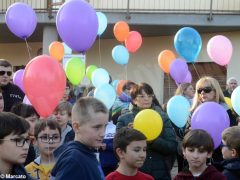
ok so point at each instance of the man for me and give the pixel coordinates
(231, 85)
(11, 93)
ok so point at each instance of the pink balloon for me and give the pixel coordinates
(18, 79)
(219, 49)
(134, 41)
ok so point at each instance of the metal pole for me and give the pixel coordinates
(128, 16)
(210, 17)
(49, 8)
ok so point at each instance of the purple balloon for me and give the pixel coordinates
(178, 70)
(21, 19)
(26, 100)
(18, 79)
(77, 25)
(188, 78)
(213, 118)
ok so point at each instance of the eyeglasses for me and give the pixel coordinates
(205, 90)
(223, 145)
(143, 96)
(20, 142)
(9, 73)
(54, 139)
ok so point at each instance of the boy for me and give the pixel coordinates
(130, 147)
(48, 137)
(62, 115)
(14, 144)
(78, 161)
(197, 147)
(231, 152)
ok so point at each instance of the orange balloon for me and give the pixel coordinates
(120, 86)
(56, 50)
(165, 59)
(121, 31)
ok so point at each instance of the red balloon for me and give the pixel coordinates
(134, 41)
(44, 82)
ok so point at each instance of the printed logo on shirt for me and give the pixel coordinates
(15, 96)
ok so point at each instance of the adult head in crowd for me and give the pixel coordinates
(232, 83)
(11, 93)
(164, 145)
(186, 90)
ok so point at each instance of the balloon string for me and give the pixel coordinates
(126, 73)
(99, 51)
(28, 49)
(196, 70)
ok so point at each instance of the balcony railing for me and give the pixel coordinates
(138, 6)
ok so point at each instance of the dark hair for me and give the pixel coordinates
(198, 138)
(128, 85)
(5, 63)
(125, 136)
(12, 124)
(42, 124)
(231, 136)
(23, 110)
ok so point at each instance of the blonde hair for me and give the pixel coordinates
(64, 106)
(181, 88)
(85, 108)
(219, 97)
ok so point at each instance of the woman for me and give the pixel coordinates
(164, 145)
(186, 90)
(209, 90)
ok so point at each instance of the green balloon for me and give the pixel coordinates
(90, 70)
(75, 70)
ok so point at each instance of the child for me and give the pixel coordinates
(197, 147)
(130, 147)
(14, 144)
(62, 115)
(231, 152)
(78, 161)
(48, 137)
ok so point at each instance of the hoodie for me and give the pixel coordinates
(77, 161)
(210, 173)
(231, 168)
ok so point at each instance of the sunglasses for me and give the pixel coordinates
(9, 73)
(205, 90)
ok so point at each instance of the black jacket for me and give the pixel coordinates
(231, 168)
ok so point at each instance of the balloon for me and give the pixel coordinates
(235, 99)
(90, 70)
(121, 31)
(102, 23)
(149, 122)
(75, 70)
(188, 43)
(178, 110)
(134, 41)
(56, 50)
(120, 86)
(106, 94)
(100, 76)
(213, 118)
(18, 78)
(178, 70)
(228, 101)
(120, 54)
(44, 82)
(26, 100)
(165, 59)
(115, 83)
(77, 25)
(219, 49)
(188, 78)
(21, 19)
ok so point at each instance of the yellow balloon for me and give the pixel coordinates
(228, 101)
(149, 122)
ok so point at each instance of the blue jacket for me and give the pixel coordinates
(231, 168)
(77, 162)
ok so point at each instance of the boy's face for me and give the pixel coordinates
(48, 140)
(32, 121)
(91, 133)
(227, 152)
(62, 118)
(135, 154)
(10, 150)
(196, 157)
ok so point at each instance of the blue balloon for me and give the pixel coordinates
(115, 83)
(235, 99)
(106, 94)
(188, 43)
(100, 76)
(178, 110)
(120, 54)
(102, 23)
